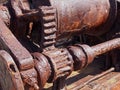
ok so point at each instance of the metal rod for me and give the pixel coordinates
(106, 46)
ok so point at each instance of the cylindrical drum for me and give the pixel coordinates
(93, 17)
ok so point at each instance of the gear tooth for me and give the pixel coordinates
(49, 26)
(49, 18)
(50, 37)
(50, 31)
(48, 43)
(61, 61)
(47, 10)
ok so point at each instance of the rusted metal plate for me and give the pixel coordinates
(10, 78)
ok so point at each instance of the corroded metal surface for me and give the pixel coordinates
(5, 16)
(43, 67)
(49, 27)
(107, 46)
(30, 77)
(94, 18)
(21, 56)
(10, 78)
(79, 57)
(79, 15)
(62, 65)
(42, 23)
(84, 55)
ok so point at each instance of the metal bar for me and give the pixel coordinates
(106, 46)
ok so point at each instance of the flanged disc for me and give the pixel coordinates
(10, 78)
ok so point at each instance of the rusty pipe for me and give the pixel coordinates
(106, 46)
(84, 54)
